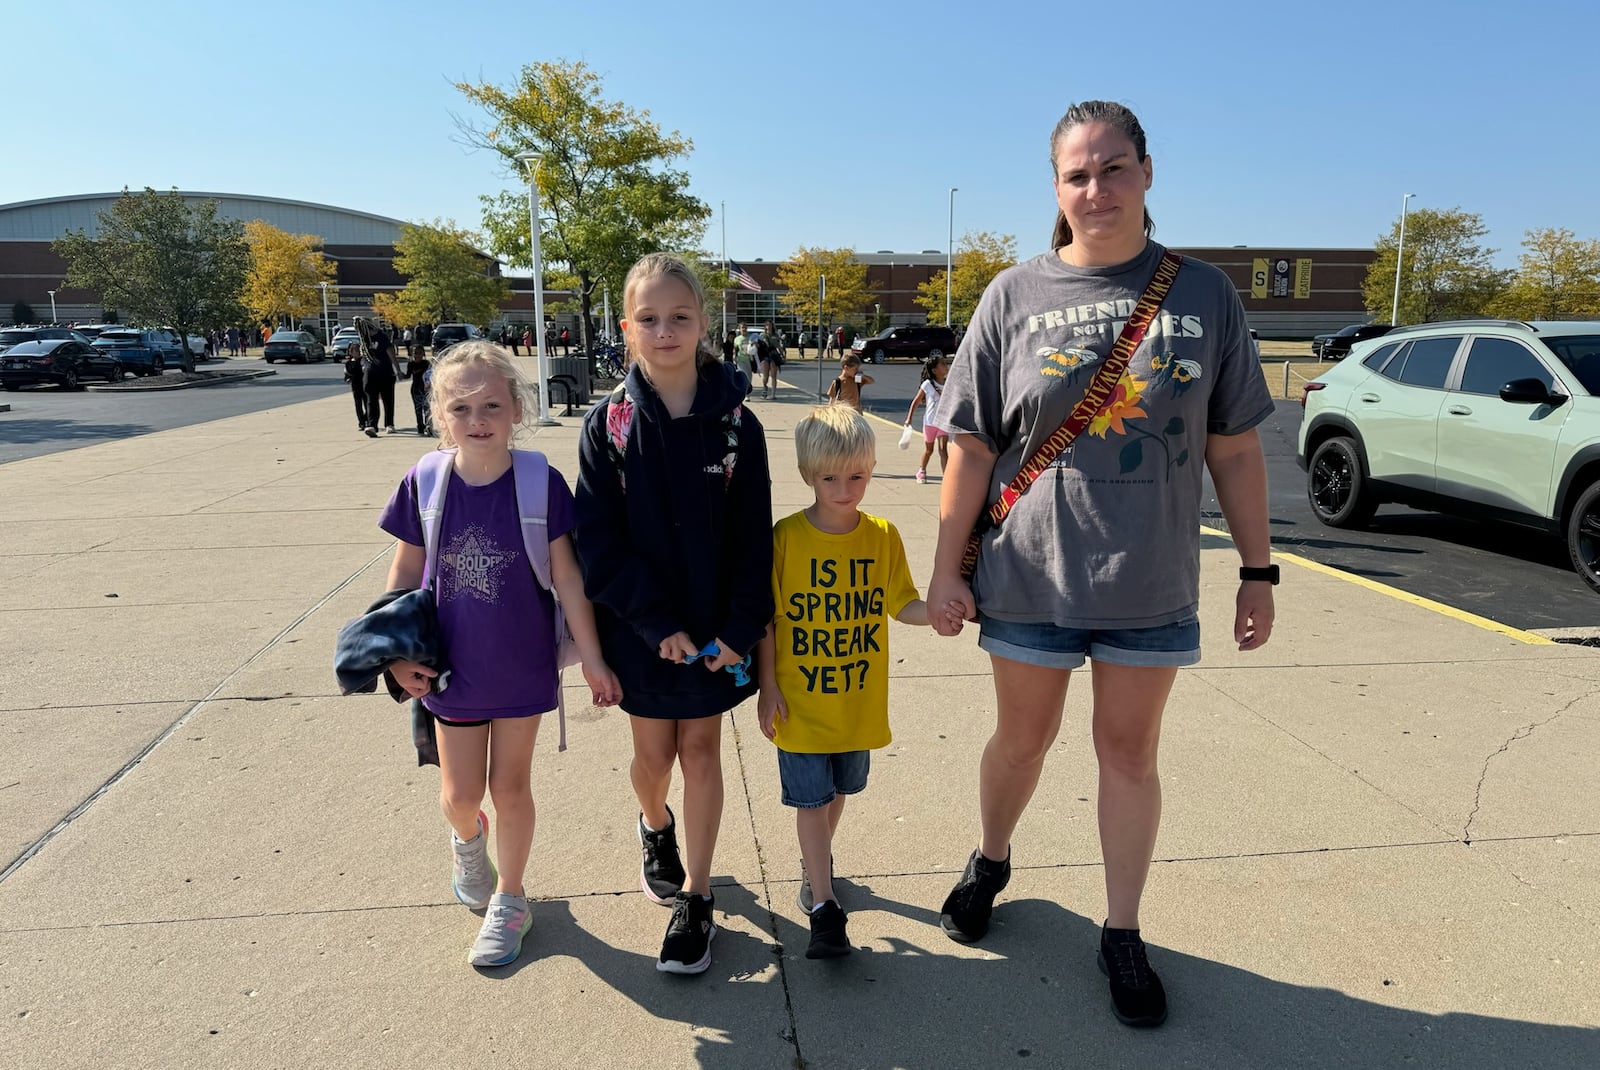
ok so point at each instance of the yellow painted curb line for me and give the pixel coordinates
(1404, 596)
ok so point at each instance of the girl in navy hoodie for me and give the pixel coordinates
(674, 534)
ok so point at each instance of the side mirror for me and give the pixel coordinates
(1530, 392)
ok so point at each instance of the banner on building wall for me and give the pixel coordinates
(1302, 279)
(1271, 277)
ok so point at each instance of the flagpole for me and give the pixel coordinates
(724, 213)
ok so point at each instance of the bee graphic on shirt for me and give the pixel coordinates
(1170, 368)
(1065, 362)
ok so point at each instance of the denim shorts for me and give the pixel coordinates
(1054, 647)
(812, 780)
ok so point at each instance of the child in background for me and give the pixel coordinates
(498, 631)
(418, 372)
(675, 537)
(838, 575)
(846, 386)
(934, 370)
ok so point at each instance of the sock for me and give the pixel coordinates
(647, 827)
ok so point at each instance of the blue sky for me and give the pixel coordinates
(822, 123)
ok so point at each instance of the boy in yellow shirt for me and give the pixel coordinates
(838, 575)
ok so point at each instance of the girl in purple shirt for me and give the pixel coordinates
(497, 626)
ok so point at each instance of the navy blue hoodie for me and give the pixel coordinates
(683, 548)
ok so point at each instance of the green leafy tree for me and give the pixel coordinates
(980, 257)
(1557, 278)
(848, 291)
(1446, 274)
(286, 271)
(607, 194)
(447, 279)
(162, 261)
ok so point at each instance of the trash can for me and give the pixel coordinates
(569, 382)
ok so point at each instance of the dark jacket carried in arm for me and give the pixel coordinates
(673, 542)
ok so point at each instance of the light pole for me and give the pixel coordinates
(1399, 258)
(949, 245)
(327, 337)
(52, 294)
(822, 297)
(877, 317)
(531, 158)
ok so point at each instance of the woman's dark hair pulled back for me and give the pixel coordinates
(1119, 118)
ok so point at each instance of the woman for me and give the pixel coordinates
(1099, 558)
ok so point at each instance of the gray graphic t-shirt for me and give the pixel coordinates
(1109, 536)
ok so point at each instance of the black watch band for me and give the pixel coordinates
(1269, 574)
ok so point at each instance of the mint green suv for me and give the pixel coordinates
(1495, 419)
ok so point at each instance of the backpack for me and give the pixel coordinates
(619, 428)
(532, 475)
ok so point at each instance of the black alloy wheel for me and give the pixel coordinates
(116, 372)
(1336, 485)
(1583, 536)
(69, 381)
(877, 356)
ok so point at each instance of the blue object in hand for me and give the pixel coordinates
(740, 669)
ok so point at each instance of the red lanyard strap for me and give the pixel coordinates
(1100, 391)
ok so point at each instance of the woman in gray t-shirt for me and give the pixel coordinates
(1099, 559)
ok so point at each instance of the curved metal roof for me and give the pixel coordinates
(49, 218)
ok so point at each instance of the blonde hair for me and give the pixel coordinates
(656, 265)
(832, 438)
(474, 353)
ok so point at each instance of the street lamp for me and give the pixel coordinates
(327, 337)
(531, 158)
(877, 317)
(52, 294)
(949, 244)
(1399, 258)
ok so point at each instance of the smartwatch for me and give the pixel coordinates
(1269, 574)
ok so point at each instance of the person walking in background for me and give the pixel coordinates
(527, 340)
(825, 735)
(674, 532)
(356, 377)
(847, 385)
(418, 372)
(566, 342)
(1101, 559)
(497, 622)
(233, 341)
(928, 393)
(379, 372)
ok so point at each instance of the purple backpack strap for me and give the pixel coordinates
(433, 480)
(532, 474)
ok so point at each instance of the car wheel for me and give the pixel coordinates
(158, 366)
(1583, 536)
(1336, 485)
(69, 381)
(877, 356)
(116, 374)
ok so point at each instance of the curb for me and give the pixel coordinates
(221, 377)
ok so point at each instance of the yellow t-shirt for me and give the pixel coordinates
(835, 596)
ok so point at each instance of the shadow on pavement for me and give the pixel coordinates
(29, 430)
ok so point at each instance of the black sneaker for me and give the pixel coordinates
(1137, 997)
(828, 939)
(661, 872)
(965, 914)
(687, 948)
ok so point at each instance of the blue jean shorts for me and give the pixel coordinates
(1054, 647)
(812, 780)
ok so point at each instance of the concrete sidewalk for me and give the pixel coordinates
(1381, 844)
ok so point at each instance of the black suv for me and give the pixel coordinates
(918, 343)
(448, 334)
(1336, 346)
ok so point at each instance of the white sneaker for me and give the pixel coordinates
(505, 923)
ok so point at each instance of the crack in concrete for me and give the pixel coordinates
(793, 1036)
(133, 763)
(1522, 733)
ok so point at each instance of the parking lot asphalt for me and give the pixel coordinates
(1381, 840)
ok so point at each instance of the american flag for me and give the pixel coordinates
(743, 277)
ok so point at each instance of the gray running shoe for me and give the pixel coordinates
(474, 877)
(505, 923)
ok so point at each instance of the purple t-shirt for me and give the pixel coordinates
(498, 624)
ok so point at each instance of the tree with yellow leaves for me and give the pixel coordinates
(979, 258)
(285, 274)
(848, 290)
